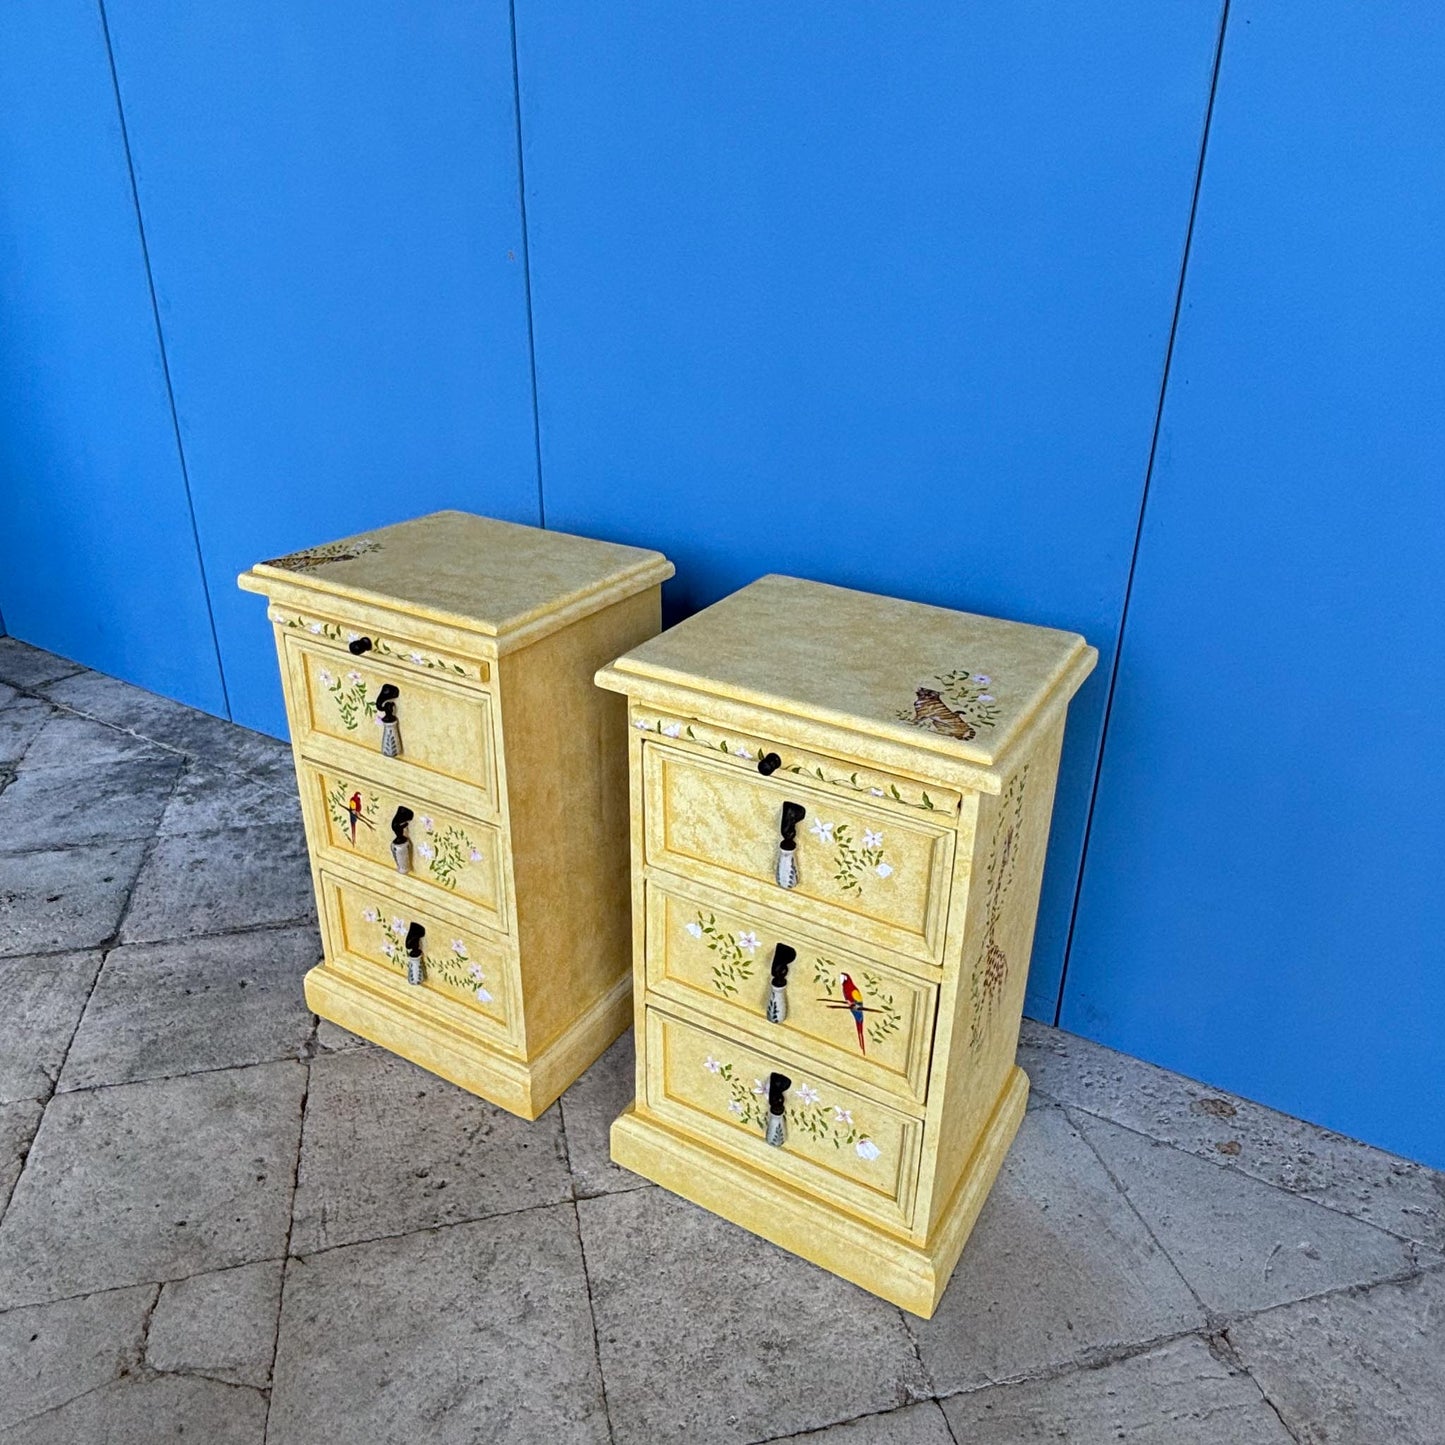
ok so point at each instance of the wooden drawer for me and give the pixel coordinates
(466, 974)
(840, 1146)
(861, 869)
(445, 726)
(710, 952)
(458, 856)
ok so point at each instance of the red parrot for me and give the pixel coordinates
(853, 997)
(353, 811)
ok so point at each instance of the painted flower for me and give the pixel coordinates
(475, 855)
(884, 870)
(641, 724)
(397, 925)
(759, 1087)
(672, 730)
(353, 637)
(748, 941)
(823, 830)
(326, 678)
(369, 914)
(695, 929)
(483, 996)
(877, 792)
(741, 752)
(734, 1107)
(427, 823)
(474, 972)
(872, 838)
(982, 679)
(985, 697)
(416, 657)
(711, 1064)
(842, 1116)
(459, 948)
(314, 627)
(389, 948)
(867, 1149)
(807, 1093)
(353, 676)
(426, 850)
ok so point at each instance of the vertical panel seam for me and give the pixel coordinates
(526, 262)
(1143, 508)
(165, 360)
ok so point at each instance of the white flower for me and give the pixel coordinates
(353, 637)
(735, 1108)
(459, 948)
(314, 627)
(475, 855)
(823, 830)
(426, 850)
(641, 724)
(326, 678)
(389, 948)
(397, 925)
(416, 657)
(426, 822)
(695, 929)
(842, 1116)
(872, 839)
(353, 676)
(369, 914)
(867, 1149)
(807, 1093)
(748, 941)
(672, 730)
(883, 870)
(985, 697)
(982, 679)
(877, 792)
(759, 1087)
(711, 1064)
(483, 996)
(741, 752)
(474, 971)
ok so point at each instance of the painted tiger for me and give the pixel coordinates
(930, 711)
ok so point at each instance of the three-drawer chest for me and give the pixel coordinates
(464, 790)
(840, 806)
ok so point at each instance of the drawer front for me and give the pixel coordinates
(456, 855)
(442, 729)
(859, 869)
(325, 632)
(839, 1146)
(466, 975)
(858, 1017)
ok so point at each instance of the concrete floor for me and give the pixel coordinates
(228, 1224)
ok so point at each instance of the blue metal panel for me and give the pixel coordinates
(100, 559)
(1262, 905)
(877, 295)
(330, 194)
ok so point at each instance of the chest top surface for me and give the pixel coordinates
(489, 577)
(951, 682)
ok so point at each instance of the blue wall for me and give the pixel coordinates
(881, 295)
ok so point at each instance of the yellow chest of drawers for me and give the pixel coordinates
(840, 805)
(464, 789)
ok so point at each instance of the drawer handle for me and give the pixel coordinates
(414, 936)
(783, 955)
(769, 764)
(386, 701)
(787, 873)
(776, 1132)
(358, 645)
(400, 842)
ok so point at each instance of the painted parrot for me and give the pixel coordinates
(353, 811)
(853, 997)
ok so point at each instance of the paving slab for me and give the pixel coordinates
(332, 1038)
(62, 899)
(26, 666)
(921, 1424)
(51, 1353)
(389, 1149)
(476, 1332)
(222, 1325)
(588, 1109)
(146, 1410)
(18, 1123)
(220, 882)
(1243, 1245)
(210, 800)
(154, 1181)
(1178, 1394)
(1059, 1270)
(21, 719)
(1365, 1367)
(203, 1003)
(707, 1332)
(68, 741)
(1404, 1197)
(44, 998)
(58, 807)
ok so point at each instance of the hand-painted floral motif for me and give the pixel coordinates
(350, 694)
(854, 857)
(334, 632)
(959, 704)
(446, 852)
(990, 973)
(805, 1111)
(734, 952)
(351, 808)
(856, 782)
(313, 557)
(453, 965)
(886, 1019)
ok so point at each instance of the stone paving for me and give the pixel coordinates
(226, 1222)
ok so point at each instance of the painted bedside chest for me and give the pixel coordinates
(464, 788)
(840, 805)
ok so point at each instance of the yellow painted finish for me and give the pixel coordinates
(924, 745)
(514, 768)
